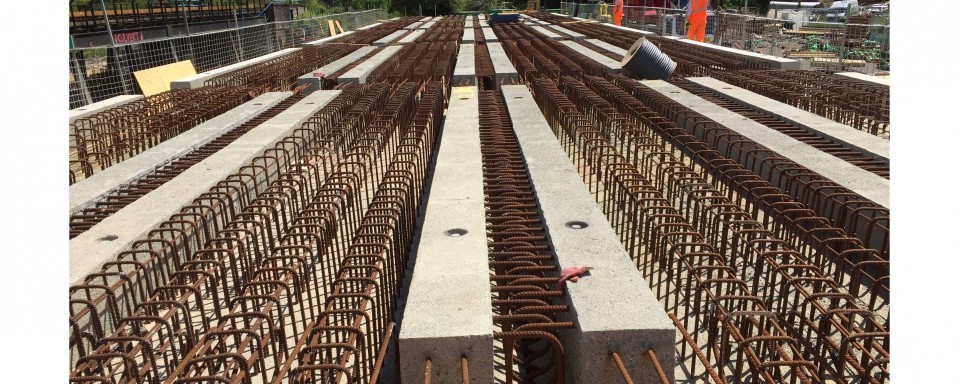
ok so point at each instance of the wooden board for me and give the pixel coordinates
(333, 29)
(338, 25)
(157, 79)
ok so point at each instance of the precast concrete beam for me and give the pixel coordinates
(116, 233)
(315, 78)
(368, 27)
(504, 69)
(391, 37)
(468, 36)
(489, 35)
(775, 62)
(414, 25)
(196, 81)
(875, 80)
(546, 32)
(858, 180)
(359, 73)
(429, 24)
(448, 312)
(876, 147)
(465, 73)
(608, 47)
(573, 35)
(412, 36)
(334, 38)
(426, 19)
(87, 192)
(611, 64)
(100, 106)
(612, 308)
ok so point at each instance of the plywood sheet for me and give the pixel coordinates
(157, 79)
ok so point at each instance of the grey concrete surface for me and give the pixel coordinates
(871, 145)
(505, 72)
(90, 190)
(489, 35)
(448, 310)
(391, 37)
(359, 73)
(368, 27)
(611, 64)
(464, 73)
(334, 38)
(196, 81)
(100, 106)
(414, 25)
(468, 36)
(412, 36)
(429, 24)
(104, 241)
(607, 46)
(775, 62)
(547, 32)
(315, 78)
(573, 35)
(852, 177)
(864, 77)
(612, 308)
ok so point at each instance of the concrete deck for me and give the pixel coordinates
(489, 35)
(104, 241)
(92, 189)
(314, 78)
(867, 78)
(465, 73)
(852, 177)
(612, 307)
(546, 32)
(505, 72)
(448, 311)
(196, 81)
(412, 36)
(608, 47)
(611, 64)
(873, 146)
(359, 73)
(391, 37)
(100, 106)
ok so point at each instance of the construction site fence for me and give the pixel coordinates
(819, 45)
(99, 73)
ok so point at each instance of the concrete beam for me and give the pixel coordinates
(412, 36)
(573, 35)
(852, 177)
(612, 307)
(315, 78)
(359, 73)
(468, 36)
(414, 25)
(546, 32)
(448, 311)
(100, 106)
(426, 19)
(196, 81)
(876, 80)
(465, 73)
(391, 37)
(505, 72)
(368, 27)
(489, 35)
(611, 64)
(334, 38)
(88, 191)
(429, 24)
(775, 62)
(873, 146)
(115, 234)
(608, 47)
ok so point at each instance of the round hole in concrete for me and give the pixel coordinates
(109, 238)
(577, 225)
(257, 103)
(674, 91)
(310, 103)
(518, 97)
(726, 88)
(456, 232)
(464, 98)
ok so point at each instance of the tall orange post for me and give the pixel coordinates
(617, 11)
(697, 19)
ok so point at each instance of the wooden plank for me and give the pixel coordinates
(157, 79)
(333, 29)
(338, 25)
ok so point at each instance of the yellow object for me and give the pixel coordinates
(157, 79)
(338, 25)
(333, 29)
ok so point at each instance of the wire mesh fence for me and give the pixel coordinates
(103, 72)
(858, 43)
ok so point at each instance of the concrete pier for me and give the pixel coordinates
(104, 241)
(611, 64)
(852, 177)
(465, 72)
(873, 146)
(612, 307)
(315, 78)
(92, 189)
(448, 312)
(504, 69)
(359, 73)
(196, 81)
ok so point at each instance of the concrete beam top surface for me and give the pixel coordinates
(465, 72)
(115, 234)
(546, 32)
(627, 29)
(334, 38)
(449, 312)
(775, 62)
(573, 17)
(429, 24)
(573, 35)
(359, 73)
(482, 16)
(315, 77)
(870, 145)
(612, 308)
(88, 191)
(100, 106)
(414, 25)
(468, 36)
(608, 47)
(391, 37)
(504, 69)
(412, 36)
(196, 81)
(852, 177)
(876, 80)
(368, 27)
(489, 35)
(611, 64)
(426, 19)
